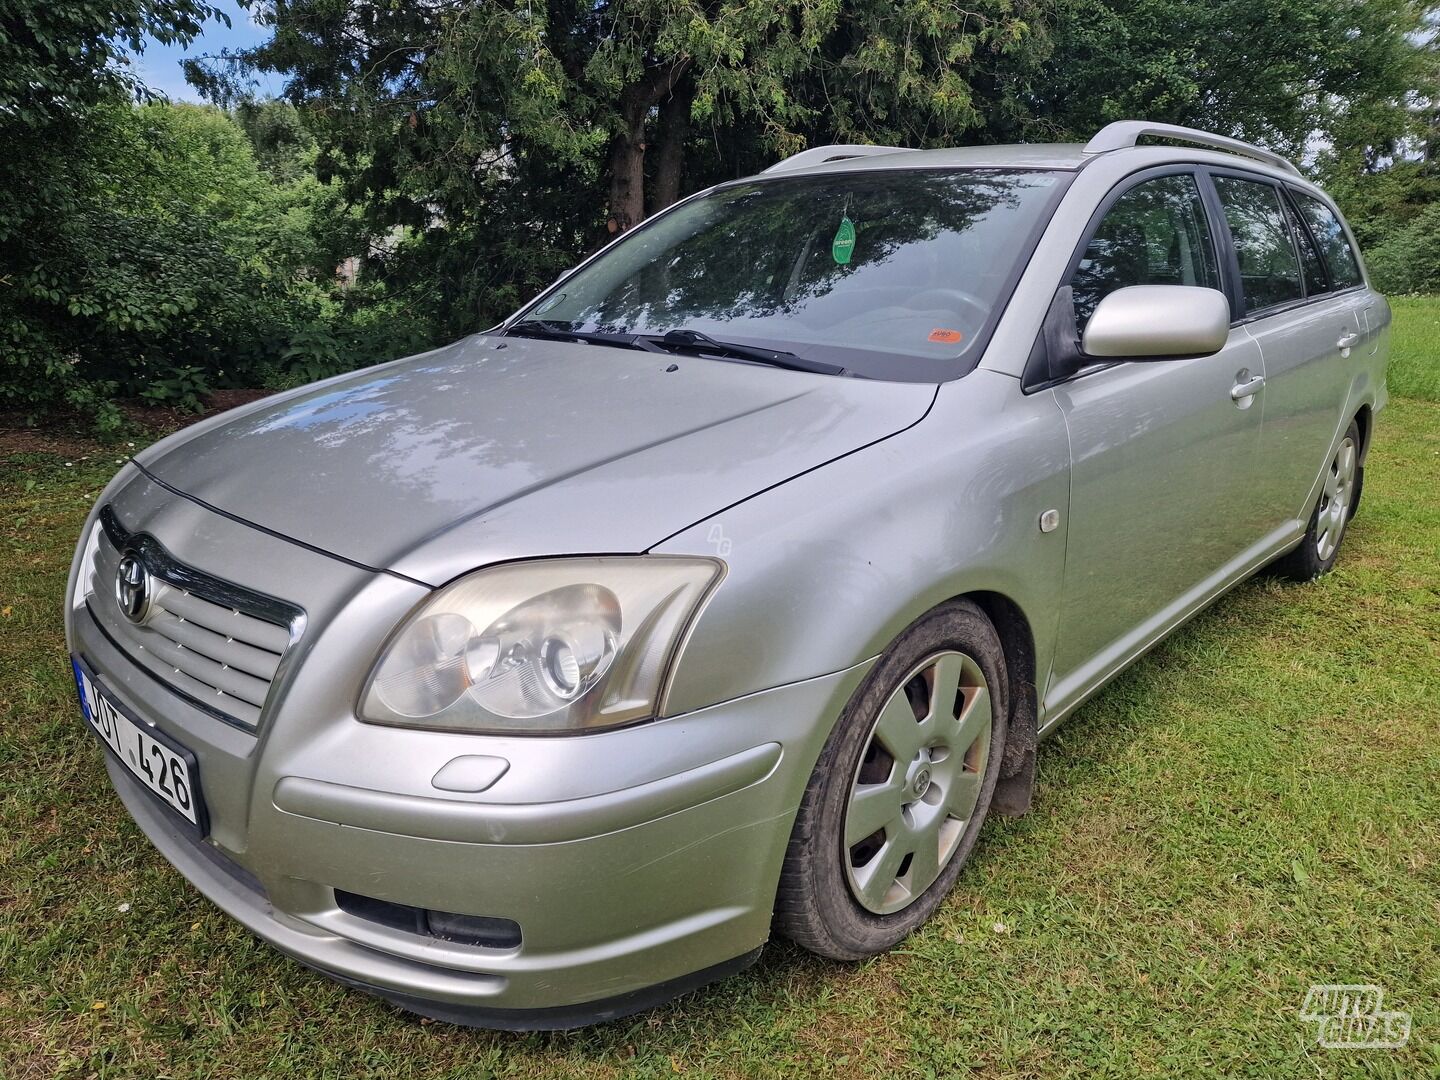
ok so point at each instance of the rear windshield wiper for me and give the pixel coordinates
(539, 328)
(695, 341)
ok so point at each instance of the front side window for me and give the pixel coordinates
(1269, 267)
(1339, 256)
(1154, 234)
(890, 274)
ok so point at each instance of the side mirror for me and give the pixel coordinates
(1158, 322)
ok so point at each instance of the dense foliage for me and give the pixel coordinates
(437, 162)
(59, 56)
(506, 138)
(1408, 258)
(156, 250)
(1282, 73)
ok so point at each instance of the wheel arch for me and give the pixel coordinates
(806, 908)
(1014, 792)
(1364, 419)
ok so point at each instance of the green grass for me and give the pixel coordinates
(1253, 808)
(1415, 347)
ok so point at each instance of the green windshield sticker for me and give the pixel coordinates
(843, 246)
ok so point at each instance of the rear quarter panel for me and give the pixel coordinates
(1378, 317)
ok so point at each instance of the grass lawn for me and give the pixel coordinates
(1253, 808)
(1415, 347)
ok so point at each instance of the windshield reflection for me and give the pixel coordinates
(906, 266)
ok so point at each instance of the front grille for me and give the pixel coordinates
(214, 643)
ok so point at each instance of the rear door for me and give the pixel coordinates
(1306, 325)
(1342, 265)
(1164, 457)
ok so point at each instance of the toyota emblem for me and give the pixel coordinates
(132, 587)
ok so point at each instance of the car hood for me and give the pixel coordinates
(501, 448)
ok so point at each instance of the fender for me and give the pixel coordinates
(828, 568)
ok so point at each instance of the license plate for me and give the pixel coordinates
(155, 759)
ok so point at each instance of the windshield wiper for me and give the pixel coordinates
(539, 328)
(673, 340)
(695, 341)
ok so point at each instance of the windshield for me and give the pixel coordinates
(891, 274)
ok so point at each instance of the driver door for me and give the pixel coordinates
(1164, 458)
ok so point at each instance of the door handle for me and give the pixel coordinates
(1249, 388)
(1347, 339)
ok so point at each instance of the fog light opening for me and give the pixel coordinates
(483, 931)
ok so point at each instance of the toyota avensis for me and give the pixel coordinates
(730, 584)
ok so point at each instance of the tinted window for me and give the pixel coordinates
(1154, 234)
(895, 275)
(1269, 268)
(1310, 265)
(1344, 268)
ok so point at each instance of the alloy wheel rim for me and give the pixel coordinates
(1335, 500)
(918, 782)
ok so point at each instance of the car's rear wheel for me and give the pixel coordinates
(1339, 494)
(901, 789)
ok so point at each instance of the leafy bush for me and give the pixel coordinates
(169, 263)
(1409, 260)
(183, 386)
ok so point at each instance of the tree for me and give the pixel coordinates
(283, 145)
(503, 138)
(60, 61)
(58, 57)
(466, 151)
(175, 263)
(1285, 73)
(63, 73)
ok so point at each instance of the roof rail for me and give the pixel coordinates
(1124, 133)
(821, 155)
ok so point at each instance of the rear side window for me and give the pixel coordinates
(1154, 234)
(1269, 267)
(1344, 267)
(1310, 265)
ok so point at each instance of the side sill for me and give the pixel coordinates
(1190, 605)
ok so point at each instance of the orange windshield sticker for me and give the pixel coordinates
(947, 337)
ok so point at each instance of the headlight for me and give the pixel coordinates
(86, 567)
(556, 645)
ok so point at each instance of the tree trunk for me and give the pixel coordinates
(674, 130)
(627, 151)
(627, 171)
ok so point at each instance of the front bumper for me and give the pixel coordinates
(623, 898)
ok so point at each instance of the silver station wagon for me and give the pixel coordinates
(726, 588)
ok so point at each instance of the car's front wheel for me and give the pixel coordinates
(901, 789)
(1339, 495)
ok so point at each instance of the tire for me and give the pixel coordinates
(1339, 498)
(826, 902)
